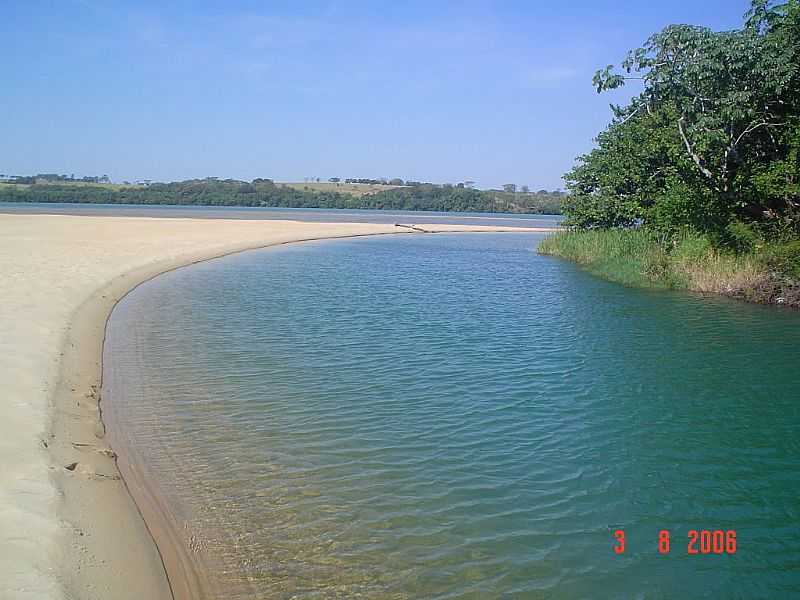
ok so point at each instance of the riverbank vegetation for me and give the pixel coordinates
(696, 182)
(689, 261)
(266, 193)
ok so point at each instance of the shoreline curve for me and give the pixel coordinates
(111, 487)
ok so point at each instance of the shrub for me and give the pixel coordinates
(784, 259)
(741, 237)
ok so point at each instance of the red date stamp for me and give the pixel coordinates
(699, 541)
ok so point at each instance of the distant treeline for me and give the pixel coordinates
(266, 193)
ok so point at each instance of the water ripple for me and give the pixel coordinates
(456, 417)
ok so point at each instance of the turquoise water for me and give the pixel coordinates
(454, 416)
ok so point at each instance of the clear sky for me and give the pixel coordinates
(494, 92)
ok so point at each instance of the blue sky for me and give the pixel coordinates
(493, 92)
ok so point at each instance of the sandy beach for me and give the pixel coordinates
(69, 526)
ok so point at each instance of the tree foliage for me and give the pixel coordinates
(713, 137)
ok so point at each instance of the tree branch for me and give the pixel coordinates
(625, 120)
(752, 128)
(697, 160)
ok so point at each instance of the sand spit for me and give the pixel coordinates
(68, 525)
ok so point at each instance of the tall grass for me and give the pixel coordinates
(640, 258)
(630, 256)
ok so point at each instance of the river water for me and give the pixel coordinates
(454, 416)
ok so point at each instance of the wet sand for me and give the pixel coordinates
(69, 527)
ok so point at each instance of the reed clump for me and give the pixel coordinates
(638, 257)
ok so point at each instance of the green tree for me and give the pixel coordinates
(712, 137)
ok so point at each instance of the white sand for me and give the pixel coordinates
(77, 534)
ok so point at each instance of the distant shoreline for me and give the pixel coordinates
(269, 194)
(37, 207)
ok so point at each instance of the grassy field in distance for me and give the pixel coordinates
(354, 189)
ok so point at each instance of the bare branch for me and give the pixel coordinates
(752, 128)
(625, 120)
(697, 160)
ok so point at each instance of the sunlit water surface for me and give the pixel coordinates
(454, 416)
